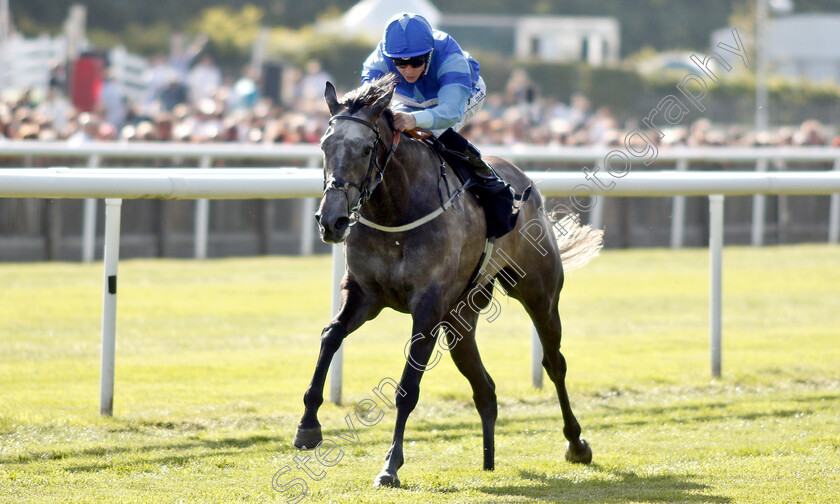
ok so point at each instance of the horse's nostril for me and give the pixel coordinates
(318, 218)
(341, 224)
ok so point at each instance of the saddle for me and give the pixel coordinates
(500, 202)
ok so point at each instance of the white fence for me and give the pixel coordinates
(273, 183)
(130, 72)
(204, 155)
(26, 63)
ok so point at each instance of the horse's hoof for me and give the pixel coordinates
(579, 453)
(308, 438)
(388, 480)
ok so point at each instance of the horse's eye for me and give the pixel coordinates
(366, 152)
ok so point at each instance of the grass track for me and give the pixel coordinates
(213, 359)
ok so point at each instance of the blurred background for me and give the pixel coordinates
(565, 74)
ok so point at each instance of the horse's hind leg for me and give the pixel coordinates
(542, 307)
(549, 331)
(464, 352)
(356, 308)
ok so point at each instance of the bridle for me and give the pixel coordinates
(375, 170)
(374, 176)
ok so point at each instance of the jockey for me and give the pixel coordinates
(440, 88)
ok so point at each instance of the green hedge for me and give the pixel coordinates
(629, 94)
(626, 92)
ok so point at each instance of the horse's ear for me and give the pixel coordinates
(380, 104)
(332, 99)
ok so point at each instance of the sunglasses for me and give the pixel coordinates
(415, 62)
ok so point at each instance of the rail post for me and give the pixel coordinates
(337, 364)
(307, 228)
(536, 358)
(834, 212)
(678, 212)
(758, 209)
(202, 219)
(89, 219)
(113, 208)
(715, 279)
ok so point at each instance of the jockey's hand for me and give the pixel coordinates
(404, 121)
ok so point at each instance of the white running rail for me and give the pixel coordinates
(232, 183)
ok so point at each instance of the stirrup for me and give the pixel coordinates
(481, 169)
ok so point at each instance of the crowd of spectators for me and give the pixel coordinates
(190, 100)
(200, 105)
(549, 122)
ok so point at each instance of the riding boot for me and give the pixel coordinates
(458, 146)
(496, 196)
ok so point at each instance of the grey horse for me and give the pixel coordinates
(411, 249)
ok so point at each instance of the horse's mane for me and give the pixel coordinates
(368, 93)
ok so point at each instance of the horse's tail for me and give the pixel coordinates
(578, 243)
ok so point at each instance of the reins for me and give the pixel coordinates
(372, 180)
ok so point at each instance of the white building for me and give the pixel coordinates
(800, 46)
(367, 19)
(595, 40)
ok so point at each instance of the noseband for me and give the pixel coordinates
(375, 171)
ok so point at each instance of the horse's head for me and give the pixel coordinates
(354, 156)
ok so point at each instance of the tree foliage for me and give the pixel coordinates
(231, 33)
(661, 24)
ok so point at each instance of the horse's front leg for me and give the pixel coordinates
(356, 307)
(418, 352)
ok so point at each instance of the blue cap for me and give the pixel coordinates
(408, 35)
